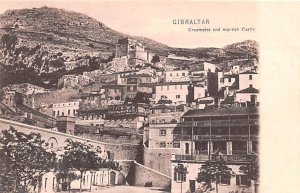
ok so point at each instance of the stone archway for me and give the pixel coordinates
(52, 141)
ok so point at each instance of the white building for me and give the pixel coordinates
(188, 183)
(209, 67)
(90, 180)
(65, 109)
(225, 80)
(199, 91)
(175, 91)
(177, 76)
(247, 79)
(247, 97)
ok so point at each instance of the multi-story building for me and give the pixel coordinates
(231, 133)
(162, 121)
(177, 76)
(114, 91)
(177, 92)
(133, 50)
(65, 109)
(248, 97)
(158, 137)
(127, 116)
(247, 79)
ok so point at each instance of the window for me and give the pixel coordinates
(53, 113)
(162, 144)
(225, 181)
(170, 74)
(176, 145)
(250, 77)
(175, 87)
(62, 114)
(222, 80)
(179, 177)
(69, 112)
(242, 180)
(162, 132)
(57, 113)
(229, 79)
(74, 111)
(161, 88)
(178, 96)
(177, 74)
(183, 74)
(167, 87)
(180, 86)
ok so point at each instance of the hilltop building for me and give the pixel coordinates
(133, 50)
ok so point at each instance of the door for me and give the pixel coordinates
(187, 148)
(192, 186)
(112, 179)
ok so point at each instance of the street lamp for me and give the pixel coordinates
(181, 177)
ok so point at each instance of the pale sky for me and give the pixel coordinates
(154, 19)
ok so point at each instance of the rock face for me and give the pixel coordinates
(37, 44)
(64, 30)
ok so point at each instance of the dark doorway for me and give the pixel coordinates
(192, 186)
(187, 148)
(112, 179)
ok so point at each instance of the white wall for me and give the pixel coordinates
(199, 92)
(155, 138)
(193, 169)
(244, 81)
(177, 76)
(209, 67)
(64, 108)
(176, 93)
(244, 97)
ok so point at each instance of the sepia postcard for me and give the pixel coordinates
(149, 96)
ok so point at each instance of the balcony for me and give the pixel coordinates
(195, 158)
(221, 123)
(179, 137)
(204, 157)
(233, 158)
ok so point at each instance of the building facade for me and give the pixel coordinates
(231, 133)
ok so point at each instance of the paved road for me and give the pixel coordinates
(127, 189)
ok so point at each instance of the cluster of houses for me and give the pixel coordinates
(181, 116)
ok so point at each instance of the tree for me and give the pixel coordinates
(213, 172)
(141, 97)
(65, 175)
(80, 156)
(155, 59)
(252, 170)
(24, 159)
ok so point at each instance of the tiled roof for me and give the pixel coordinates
(221, 112)
(248, 72)
(248, 90)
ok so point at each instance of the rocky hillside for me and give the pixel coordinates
(64, 30)
(36, 43)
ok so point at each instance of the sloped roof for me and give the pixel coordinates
(248, 90)
(221, 112)
(235, 85)
(248, 72)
